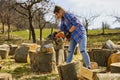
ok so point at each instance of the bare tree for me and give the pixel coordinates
(29, 13)
(117, 19)
(105, 25)
(40, 16)
(116, 16)
(6, 13)
(87, 20)
(3, 12)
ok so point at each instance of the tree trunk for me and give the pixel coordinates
(40, 36)
(3, 30)
(31, 28)
(8, 23)
(51, 30)
(29, 34)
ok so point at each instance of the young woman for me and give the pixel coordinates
(75, 33)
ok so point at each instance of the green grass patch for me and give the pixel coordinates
(25, 33)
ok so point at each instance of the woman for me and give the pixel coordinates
(75, 33)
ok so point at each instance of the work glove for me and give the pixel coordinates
(68, 35)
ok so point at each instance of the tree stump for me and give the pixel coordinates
(100, 56)
(115, 67)
(43, 61)
(3, 53)
(69, 71)
(12, 49)
(21, 54)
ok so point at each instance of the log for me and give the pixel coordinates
(32, 46)
(69, 71)
(65, 54)
(115, 57)
(108, 76)
(5, 76)
(60, 51)
(59, 43)
(110, 45)
(12, 49)
(43, 62)
(21, 54)
(44, 42)
(3, 53)
(94, 65)
(87, 74)
(100, 56)
(115, 67)
(60, 57)
(118, 43)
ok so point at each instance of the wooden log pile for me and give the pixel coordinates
(43, 61)
(21, 52)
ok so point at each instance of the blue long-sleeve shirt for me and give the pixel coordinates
(70, 20)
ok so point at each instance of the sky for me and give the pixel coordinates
(88, 8)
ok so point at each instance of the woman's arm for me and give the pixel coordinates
(72, 29)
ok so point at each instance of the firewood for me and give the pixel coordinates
(100, 56)
(69, 71)
(115, 57)
(87, 74)
(115, 67)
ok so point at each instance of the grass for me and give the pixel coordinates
(93, 35)
(22, 71)
(25, 33)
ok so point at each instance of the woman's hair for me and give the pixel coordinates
(58, 8)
